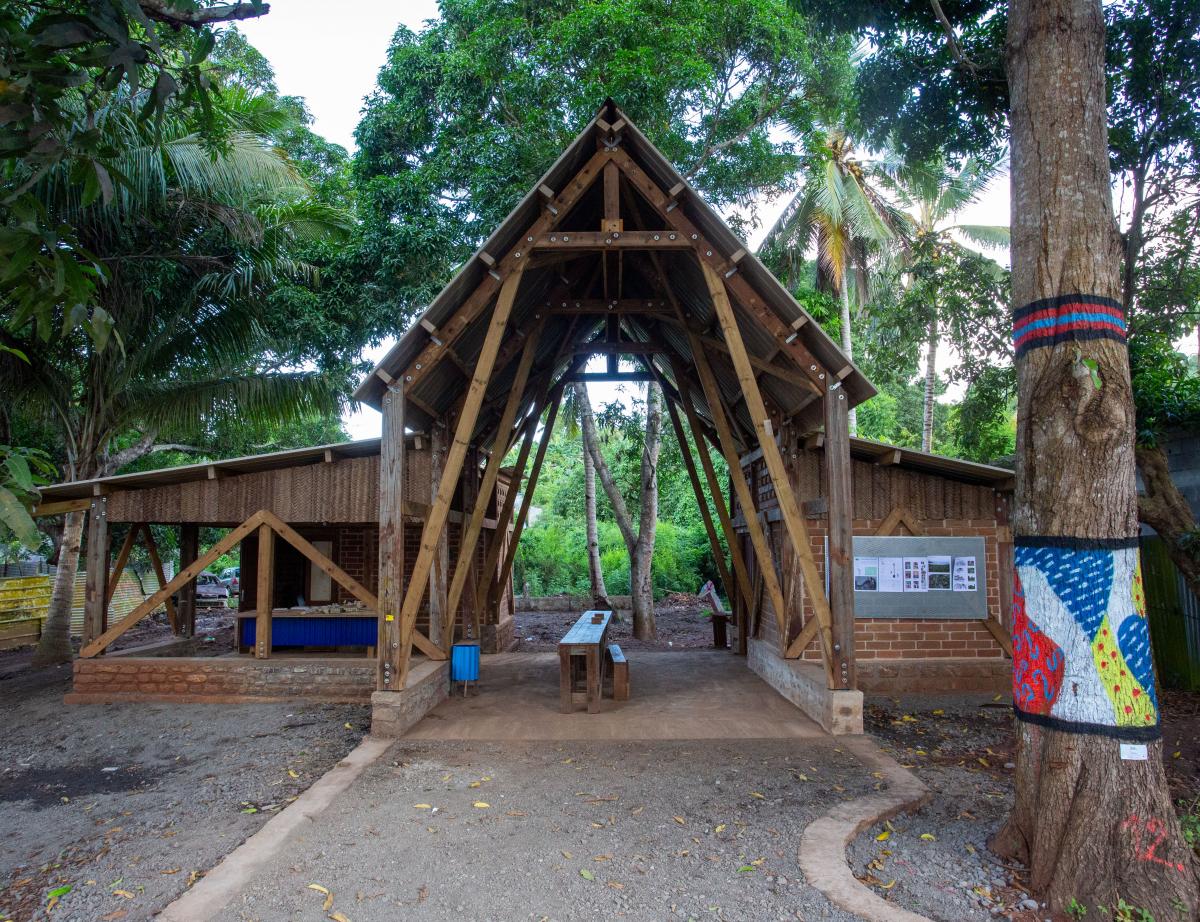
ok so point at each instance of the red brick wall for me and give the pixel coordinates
(941, 507)
(220, 679)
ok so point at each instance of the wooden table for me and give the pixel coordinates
(587, 638)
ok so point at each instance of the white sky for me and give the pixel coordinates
(332, 61)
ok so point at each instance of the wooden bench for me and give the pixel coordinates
(620, 672)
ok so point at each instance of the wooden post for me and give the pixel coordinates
(161, 575)
(789, 508)
(265, 593)
(391, 540)
(441, 617)
(95, 600)
(472, 529)
(469, 493)
(701, 502)
(511, 554)
(189, 551)
(440, 510)
(841, 535)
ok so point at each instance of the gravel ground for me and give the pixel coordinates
(936, 861)
(682, 625)
(483, 831)
(128, 804)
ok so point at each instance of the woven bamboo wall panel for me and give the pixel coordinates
(345, 490)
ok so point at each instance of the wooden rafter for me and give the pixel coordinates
(710, 256)
(500, 269)
(789, 508)
(440, 509)
(122, 560)
(466, 549)
(160, 575)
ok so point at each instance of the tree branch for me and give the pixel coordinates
(168, 12)
(952, 39)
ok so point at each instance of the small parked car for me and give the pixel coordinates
(210, 590)
(231, 579)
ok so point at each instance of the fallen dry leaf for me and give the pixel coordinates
(124, 893)
(680, 820)
(481, 805)
(318, 888)
(758, 796)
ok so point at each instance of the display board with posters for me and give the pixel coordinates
(916, 577)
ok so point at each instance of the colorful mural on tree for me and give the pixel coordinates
(1081, 644)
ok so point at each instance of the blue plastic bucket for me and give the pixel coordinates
(464, 662)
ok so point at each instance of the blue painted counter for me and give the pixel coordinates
(313, 631)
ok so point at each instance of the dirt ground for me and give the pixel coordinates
(569, 830)
(683, 624)
(936, 861)
(126, 805)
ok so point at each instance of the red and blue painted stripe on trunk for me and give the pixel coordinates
(1067, 318)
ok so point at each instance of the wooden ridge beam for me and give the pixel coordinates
(571, 307)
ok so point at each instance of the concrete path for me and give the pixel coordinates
(675, 696)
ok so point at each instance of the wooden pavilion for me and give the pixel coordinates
(613, 254)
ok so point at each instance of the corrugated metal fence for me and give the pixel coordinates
(1174, 615)
(24, 600)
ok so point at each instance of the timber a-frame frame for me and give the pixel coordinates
(612, 253)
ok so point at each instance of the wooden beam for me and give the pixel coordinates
(530, 487)
(161, 575)
(391, 539)
(709, 255)
(608, 241)
(515, 259)
(454, 463)
(119, 567)
(182, 578)
(340, 576)
(612, 198)
(701, 503)
(841, 536)
(264, 597)
(897, 517)
(62, 507)
(621, 348)
(783, 374)
(491, 472)
(793, 518)
(504, 520)
(714, 487)
(189, 550)
(573, 307)
(95, 600)
(758, 538)
(441, 619)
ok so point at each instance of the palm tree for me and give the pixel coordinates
(840, 210)
(930, 195)
(190, 242)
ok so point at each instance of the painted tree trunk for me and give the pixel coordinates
(1091, 824)
(55, 643)
(847, 335)
(595, 570)
(1166, 510)
(930, 386)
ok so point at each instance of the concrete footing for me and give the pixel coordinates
(394, 713)
(803, 683)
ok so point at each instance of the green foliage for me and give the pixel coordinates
(471, 110)
(22, 471)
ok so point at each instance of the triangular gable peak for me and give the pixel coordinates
(617, 255)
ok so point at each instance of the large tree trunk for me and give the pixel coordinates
(595, 570)
(55, 643)
(1166, 510)
(640, 544)
(931, 342)
(847, 338)
(1091, 826)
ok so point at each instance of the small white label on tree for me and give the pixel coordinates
(1135, 752)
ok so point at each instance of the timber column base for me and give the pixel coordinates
(394, 713)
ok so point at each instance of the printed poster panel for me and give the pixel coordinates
(891, 574)
(866, 574)
(964, 575)
(916, 574)
(938, 579)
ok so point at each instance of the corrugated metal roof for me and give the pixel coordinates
(438, 388)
